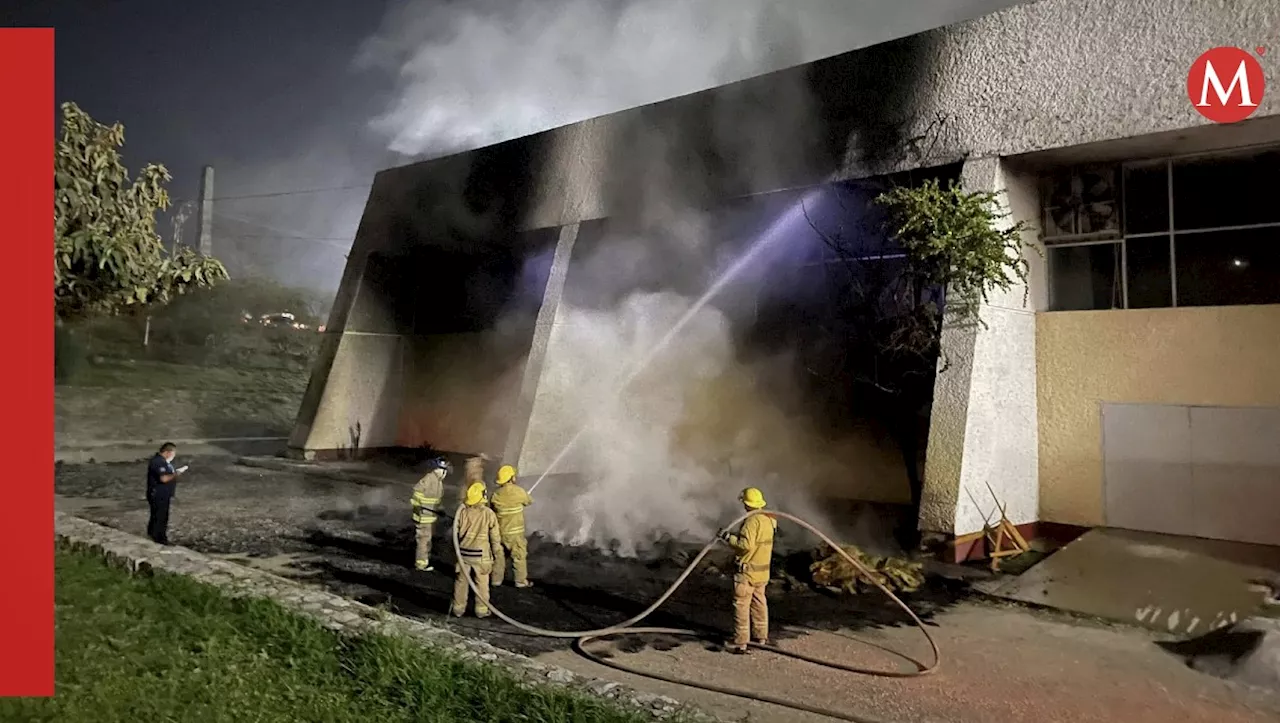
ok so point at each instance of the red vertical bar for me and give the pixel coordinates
(26, 366)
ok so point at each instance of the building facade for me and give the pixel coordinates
(1133, 383)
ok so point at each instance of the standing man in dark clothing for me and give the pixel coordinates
(162, 478)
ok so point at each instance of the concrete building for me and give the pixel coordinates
(1138, 386)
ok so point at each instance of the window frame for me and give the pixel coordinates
(1172, 233)
(1079, 243)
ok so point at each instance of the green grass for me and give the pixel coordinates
(158, 375)
(149, 399)
(167, 648)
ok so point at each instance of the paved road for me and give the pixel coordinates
(1000, 663)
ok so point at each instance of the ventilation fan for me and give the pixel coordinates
(1059, 222)
(1081, 203)
(1096, 186)
(1097, 218)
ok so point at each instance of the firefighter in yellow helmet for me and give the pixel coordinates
(754, 546)
(427, 494)
(478, 543)
(509, 501)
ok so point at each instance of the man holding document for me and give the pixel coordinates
(162, 478)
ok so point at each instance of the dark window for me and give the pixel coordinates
(1223, 228)
(440, 294)
(853, 215)
(1220, 268)
(1146, 199)
(1150, 274)
(1085, 277)
(488, 290)
(471, 291)
(1234, 190)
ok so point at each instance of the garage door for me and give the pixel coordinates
(1200, 471)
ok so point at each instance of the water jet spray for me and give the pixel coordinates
(766, 240)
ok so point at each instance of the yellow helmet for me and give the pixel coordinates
(753, 498)
(475, 493)
(506, 473)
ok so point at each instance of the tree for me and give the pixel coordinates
(108, 258)
(889, 317)
(956, 241)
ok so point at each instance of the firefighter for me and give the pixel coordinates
(754, 546)
(479, 542)
(427, 494)
(509, 501)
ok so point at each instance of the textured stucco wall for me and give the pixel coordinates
(983, 429)
(1195, 356)
(1067, 72)
(1001, 438)
(1038, 76)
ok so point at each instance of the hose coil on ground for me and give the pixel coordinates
(628, 627)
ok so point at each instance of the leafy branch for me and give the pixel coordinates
(957, 250)
(957, 241)
(108, 258)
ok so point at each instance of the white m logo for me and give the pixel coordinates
(1241, 78)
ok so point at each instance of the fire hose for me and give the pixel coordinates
(628, 627)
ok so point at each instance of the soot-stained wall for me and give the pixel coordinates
(474, 318)
(1045, 75)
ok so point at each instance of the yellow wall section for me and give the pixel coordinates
(1208, 356)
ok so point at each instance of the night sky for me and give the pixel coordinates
(229, 83)
(273, 93)
(247, 86)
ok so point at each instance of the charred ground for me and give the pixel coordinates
(355, 539)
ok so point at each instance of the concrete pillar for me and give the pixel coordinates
(983, 428)
(538, 348)
(204, 222)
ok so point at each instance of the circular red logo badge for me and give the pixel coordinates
(1226, 84)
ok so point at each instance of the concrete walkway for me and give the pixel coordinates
(1177, 585)
(999, 665)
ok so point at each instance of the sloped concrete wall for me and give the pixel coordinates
(359, 407)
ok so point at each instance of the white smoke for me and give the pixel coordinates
(640, 484)
(667, 455)
(662, 449)
(480, 72)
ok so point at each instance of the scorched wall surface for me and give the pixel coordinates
(1045, 75)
